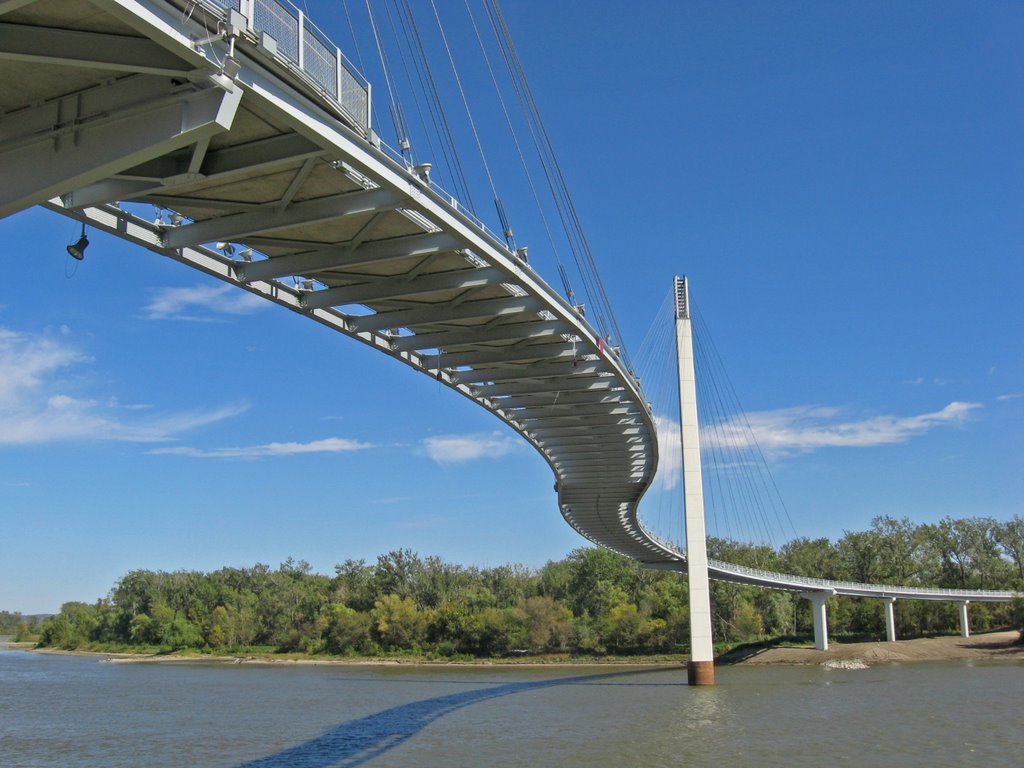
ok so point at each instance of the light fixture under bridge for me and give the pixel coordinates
(77, 249)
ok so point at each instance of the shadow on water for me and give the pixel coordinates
(359, 741)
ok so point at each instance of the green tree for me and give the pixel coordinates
(397, 624)
(809, 557)
(396, 573)
(548, 624)
(347, 630)
(1010, 537)
(627, 630)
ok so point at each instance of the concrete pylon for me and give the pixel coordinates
(701, 669)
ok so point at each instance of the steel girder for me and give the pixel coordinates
(87, 136)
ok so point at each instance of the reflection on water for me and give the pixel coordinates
(77, 712)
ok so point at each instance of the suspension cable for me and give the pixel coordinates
(742, 500)
(355, 40)
(396, 114)
(507, 231)
(519, 151)
(557, 184)
(439, 116)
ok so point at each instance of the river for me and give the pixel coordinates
(73, 711)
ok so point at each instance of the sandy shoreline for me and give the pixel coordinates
(994, 645)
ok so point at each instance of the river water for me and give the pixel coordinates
(73, 711)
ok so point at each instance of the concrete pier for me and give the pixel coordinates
(890, 619)
(818, 604)
(965, 625)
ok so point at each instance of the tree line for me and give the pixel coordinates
(21, 628)
(592, 602)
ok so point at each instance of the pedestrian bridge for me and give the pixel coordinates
(252, 136)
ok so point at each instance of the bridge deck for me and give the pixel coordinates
(109, 104)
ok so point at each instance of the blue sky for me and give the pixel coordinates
(842, 183)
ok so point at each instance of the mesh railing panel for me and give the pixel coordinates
(320, 62)
(278, 22)
(320, 57)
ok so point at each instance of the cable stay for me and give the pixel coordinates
(397, 118)
(506, 230)
(557, 185)
(435, 106)
(519, 152)
(355, 38)
(396, 32)
(405, 145)
(742, 500)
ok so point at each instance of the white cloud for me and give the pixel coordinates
(199, 302)
(25, 362)
(804, 429)
(327, 445)
(670, 453)
(452, 449)
(35, 407)
(791, 431)
(1009, 396)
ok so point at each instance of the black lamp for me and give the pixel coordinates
(77, 250)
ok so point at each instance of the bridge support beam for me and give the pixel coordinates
(82, 138)
(965, 625)
(701, 669)
(890, 619)
(818, 603)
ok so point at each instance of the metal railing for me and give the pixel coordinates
(308, 51)
(880, 589)
(301, 43)
(790, 580)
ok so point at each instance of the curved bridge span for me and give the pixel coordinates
(259, 150)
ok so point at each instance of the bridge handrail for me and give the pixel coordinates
(304, 48)
(448, 196)
(251, 8)
(812, 582)
(851, 585)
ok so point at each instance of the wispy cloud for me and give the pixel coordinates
(452, 449)
(804, 429)
(327, 445)
(201, 303)
(670, 453)
(423, 523)
(792, 431)
(388, 500)
(35, 406)
(1009, 396)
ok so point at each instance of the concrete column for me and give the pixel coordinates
(818, 601)
(890, 619)
(701, 668)
(965, 626)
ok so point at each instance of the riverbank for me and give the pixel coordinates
(992, 645)
(552, 660)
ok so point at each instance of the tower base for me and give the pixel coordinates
(700, 672)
